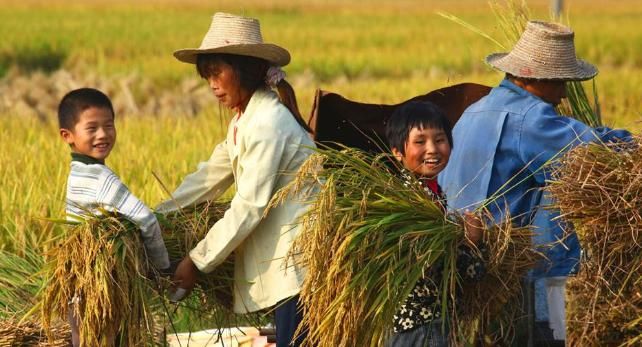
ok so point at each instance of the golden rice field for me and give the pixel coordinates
(370, 50)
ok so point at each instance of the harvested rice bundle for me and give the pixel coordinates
(26, 334)
(183, 230)
(212, 297)
(366, 241)
(598, 188)
(98, 274)
(101, 268)
(487, 309)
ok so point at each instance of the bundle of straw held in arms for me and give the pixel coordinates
(598, 188)
(367, 239)
(98, 271)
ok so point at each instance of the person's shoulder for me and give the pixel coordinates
(272, 116)
(507, 98)
(102, 173)
(79, 169)
(537, 109)
(108, 173)
(269, 107)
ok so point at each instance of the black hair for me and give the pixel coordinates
(415, 114)
(251, 73)
(77, 101)
(250, 70)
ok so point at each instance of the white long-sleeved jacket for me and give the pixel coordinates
(260, 157)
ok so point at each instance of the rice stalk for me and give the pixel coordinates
(599, 189)
(511, 16)
(489, 308)
(19, 282)
(366, 241)
(97, 273)
(100, 267)
(577, 103)
(211, 299)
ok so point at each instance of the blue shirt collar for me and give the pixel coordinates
(506, 83)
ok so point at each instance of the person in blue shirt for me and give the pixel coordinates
(506, 141)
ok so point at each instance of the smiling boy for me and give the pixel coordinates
(86, 119)
(419, 137)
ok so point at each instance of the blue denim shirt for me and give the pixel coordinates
(502, 144)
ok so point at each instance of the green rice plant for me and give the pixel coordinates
(511, 16)
(43, 56)
(578, 104)
(366, 240)
(329, 47)
(361, 249)
(20, 282)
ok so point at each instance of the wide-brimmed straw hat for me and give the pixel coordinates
(544, 51)
(235, 35)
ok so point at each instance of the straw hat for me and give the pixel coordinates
(544, 51)
(235, 35)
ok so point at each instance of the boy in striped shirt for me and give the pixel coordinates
(86, 119)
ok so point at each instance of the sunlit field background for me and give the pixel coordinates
(372, 51)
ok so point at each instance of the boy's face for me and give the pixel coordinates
(426, 152)
(94, 134)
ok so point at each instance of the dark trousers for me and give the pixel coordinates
(427, 335)
(287, 317)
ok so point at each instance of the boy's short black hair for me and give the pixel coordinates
(415, 114)
(78, 100)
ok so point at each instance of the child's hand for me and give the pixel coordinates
(473, 226)
(184, 279)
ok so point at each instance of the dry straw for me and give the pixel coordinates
(212, 297)
(28, 334)
(98, 272)
(598, 188)
(367, 239)
(489, 308)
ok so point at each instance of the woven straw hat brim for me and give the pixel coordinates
(270, 52)
(515, 66)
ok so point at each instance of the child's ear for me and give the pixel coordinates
(67, 136)
(397, 153)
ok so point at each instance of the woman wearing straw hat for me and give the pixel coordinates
(266, 139)
(506, 139)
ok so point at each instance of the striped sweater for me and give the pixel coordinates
(91, 185)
